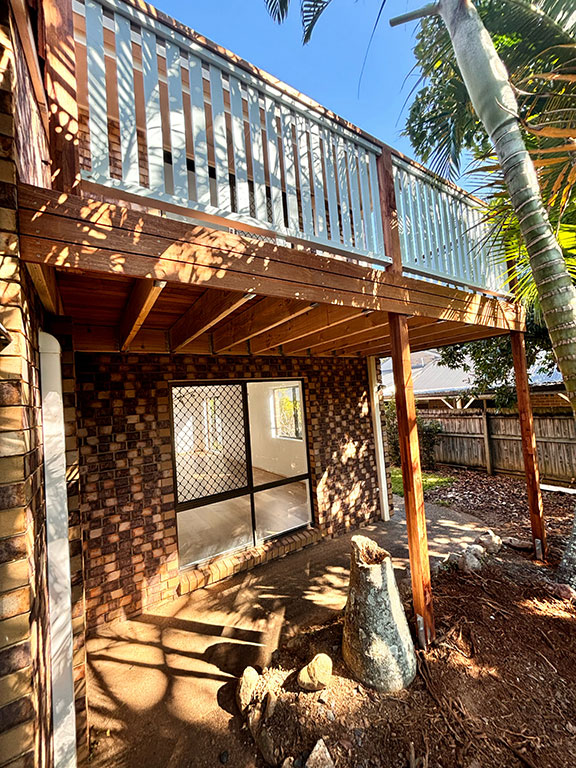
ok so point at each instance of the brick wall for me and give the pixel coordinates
(24, 628)
(126, 481)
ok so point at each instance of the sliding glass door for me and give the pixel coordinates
(241, 464)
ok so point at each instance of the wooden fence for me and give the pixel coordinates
(476, 438)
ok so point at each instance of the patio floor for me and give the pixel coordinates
(161, 686)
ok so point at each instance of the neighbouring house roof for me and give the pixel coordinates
(431, 378)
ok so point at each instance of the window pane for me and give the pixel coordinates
(209, 440)
(276, 407)
(282, 508)
(215, 528)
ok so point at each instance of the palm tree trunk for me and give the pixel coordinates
(493, 98)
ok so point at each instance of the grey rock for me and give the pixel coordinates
(490, 541)
(451, 561)
(223, 757)
(514, 543)
(317, 674)
(246, 687)
(376, 645)
(270, 705)
(472, 558)
(330, 716)
(563, 591)
(320, 757)
(265, 744)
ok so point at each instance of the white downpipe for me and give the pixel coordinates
(378, 439)
(59, 582)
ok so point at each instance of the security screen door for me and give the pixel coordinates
(241, 464)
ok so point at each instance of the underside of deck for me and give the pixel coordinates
(142, 282)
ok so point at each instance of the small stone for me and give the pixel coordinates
(471, 558)
(515, 543)
(320, 757)
(254, 718)
(564, 592)
(317, 674)
(266, 745)
(270, 705)
(451, 561)
(288, 763)
(246, 686)
(490, 541)
(223, 757)
(330, 715)
(323, 697)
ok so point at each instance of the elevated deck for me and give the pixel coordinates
(195, 183)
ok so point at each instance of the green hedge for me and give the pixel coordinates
(428, 432)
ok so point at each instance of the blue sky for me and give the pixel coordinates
(328, 68)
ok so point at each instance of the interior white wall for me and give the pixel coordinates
(280, 455)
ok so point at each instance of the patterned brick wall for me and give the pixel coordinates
(24, 629)
(126, 480)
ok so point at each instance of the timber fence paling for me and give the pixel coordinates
(461, 443)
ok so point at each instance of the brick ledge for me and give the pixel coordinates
(227, 565)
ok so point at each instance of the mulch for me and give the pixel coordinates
(501, 502)
(496, 689)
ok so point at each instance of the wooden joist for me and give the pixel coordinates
(212, 307)
(317, 319)
(87, 235)
(44, 279)
(140, 302)
(412, 479)
(333, 336)
(264, 316)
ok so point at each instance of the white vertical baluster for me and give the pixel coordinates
(289, 169)
(432, 231)
(447, 247)
(220, 139)
(274, 163)
(304, 172)
(177, 128)
(355, 195)
(343, 191)
(153, 113)
(97, 97)
(199, 139)
(376, 209)
(331, 187)
(259, 178)
(239, 148)
(404, 224)
(126, 105)
(365, 195)
(318, 177)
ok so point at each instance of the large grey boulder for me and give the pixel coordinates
(376, 644)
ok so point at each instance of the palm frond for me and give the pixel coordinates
(278, 9)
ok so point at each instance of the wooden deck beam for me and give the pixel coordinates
(264, 316)
(69, 232)
(412, 479)
(328, 339)
(529, 452)
(44, 279)
(212, 307)
(140, 302)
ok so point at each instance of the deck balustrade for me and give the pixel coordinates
(168, 118)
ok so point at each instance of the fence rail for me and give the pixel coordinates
(462, 442)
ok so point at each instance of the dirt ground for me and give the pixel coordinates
(501, 502)
(497, 689)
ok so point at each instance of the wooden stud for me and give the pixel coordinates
(44, 279)
(140, 302)
(392, 246)
(529, 451)
(212, 307)
(267, 314)
(412, 478)
(60, 75)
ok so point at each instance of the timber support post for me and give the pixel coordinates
(389, 211)
(529, 452)
(412, 478)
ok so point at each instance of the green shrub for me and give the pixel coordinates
(428, 432)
